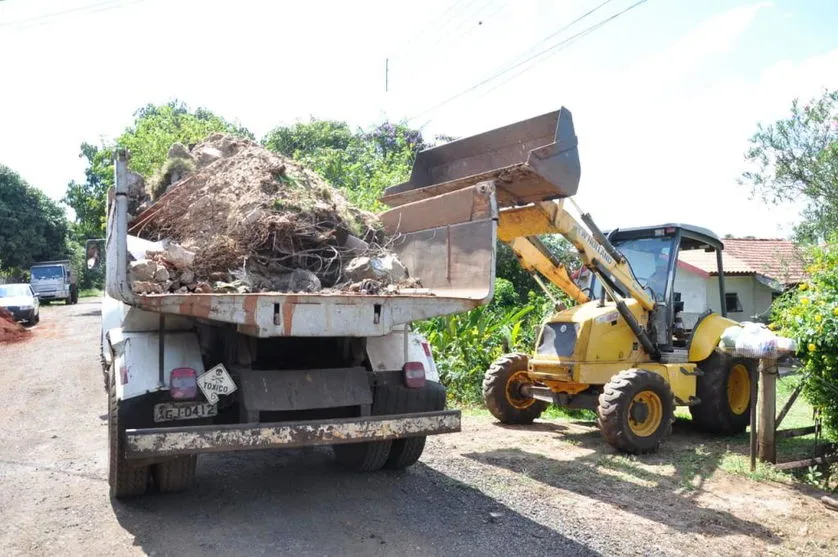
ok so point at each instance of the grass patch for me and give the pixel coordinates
(91, 293)
(739, 464)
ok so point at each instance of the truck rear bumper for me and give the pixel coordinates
(171, 441)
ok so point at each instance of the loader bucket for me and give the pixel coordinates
(531, 160)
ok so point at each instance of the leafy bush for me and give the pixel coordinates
(809, 315)
(466, 344)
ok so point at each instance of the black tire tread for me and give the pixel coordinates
(363, 457)
(613, 409)
(494, 391)
(124, 479)
(175, 475)
(713, 413)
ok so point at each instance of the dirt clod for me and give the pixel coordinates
(10, 331)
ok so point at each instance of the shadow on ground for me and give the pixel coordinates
(620, 482)
(301, 503)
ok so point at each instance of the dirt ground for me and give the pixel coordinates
(550, 489)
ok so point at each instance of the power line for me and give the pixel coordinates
(515, 64)
(453, 39)
(51, 17)
(431, 25)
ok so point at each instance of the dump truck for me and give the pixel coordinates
(54, 280)
(193, 373)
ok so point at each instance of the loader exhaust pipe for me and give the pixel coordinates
(530, 161)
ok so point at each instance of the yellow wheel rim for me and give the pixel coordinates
(645, 413)
(739, 389)
(513, 393)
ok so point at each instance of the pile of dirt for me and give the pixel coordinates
(10, 331)
(240, 218)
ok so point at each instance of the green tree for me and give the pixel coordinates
(157, 127)
(32, 226)
(796, 158)
(148, 138)
(88, 199)
(809, 315)
(360, 163)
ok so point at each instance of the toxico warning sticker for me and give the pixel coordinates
(216, 382)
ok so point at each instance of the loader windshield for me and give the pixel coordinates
(649, 259)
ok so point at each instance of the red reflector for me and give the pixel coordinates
(414, 374)
(427, 349)
(182, 383)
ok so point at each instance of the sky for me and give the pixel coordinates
(664, 97)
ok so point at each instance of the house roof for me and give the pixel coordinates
(776, 259)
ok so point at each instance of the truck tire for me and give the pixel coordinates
(398, 399)
(724, 392)
(500, 391)
(363, 457)
(74, 296)
(174, 475)
(636, 411)
(405, 452)
(125, 479)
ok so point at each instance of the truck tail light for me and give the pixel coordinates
(414, 374)
(183, 383)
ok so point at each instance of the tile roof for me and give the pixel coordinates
(776, 259)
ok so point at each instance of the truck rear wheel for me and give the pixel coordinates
(405, 452)
(724, 392)
(501, 391)
(398, 399)
(125, 479)
(363, 457)
(175, 475)
(636, 411)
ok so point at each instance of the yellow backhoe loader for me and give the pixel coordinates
(624, 350)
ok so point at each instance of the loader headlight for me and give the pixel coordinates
(558, 339)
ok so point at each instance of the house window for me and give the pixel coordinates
(732, 302)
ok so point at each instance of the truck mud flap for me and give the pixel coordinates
(156, 442)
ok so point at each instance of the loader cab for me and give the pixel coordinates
(653, 254)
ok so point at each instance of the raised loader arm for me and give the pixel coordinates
(517, 225)
(533, 256)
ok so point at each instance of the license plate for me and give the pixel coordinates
(170, 411)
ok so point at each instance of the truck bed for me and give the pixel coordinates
(274, 314)
(447, 242)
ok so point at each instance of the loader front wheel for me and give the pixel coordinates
(724, 393)
(502, 391)
(636, 411)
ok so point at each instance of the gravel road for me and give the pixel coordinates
(486, 491)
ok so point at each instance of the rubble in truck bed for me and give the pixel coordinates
(229, 216)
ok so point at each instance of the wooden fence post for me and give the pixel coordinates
(767, 410)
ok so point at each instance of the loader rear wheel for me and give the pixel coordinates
(368, 456)
(636, 411)
(724, 392)
(502, 391)
(125, 479)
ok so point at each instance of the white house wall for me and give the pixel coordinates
(754, 297)
(701, 293)
(693, 289)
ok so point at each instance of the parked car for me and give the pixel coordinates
(20, 300)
